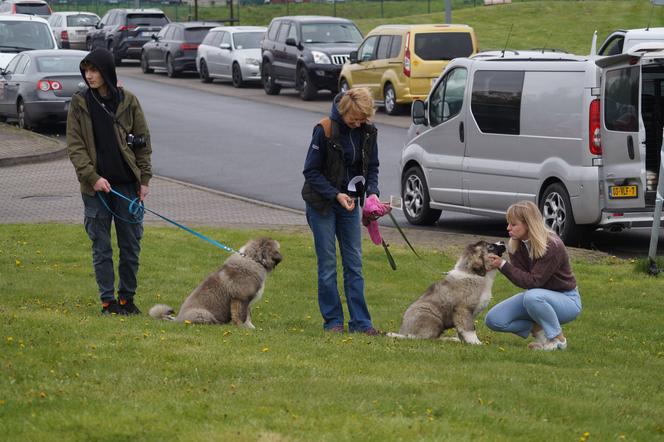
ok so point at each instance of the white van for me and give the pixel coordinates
(560, 130)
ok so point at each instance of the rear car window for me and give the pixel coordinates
(59, 64)
(32, 9)
(621, 99)
(496, 101)
(195, 35)
(396, 46)
(443, 45)
(146, 19)
(25, 35)
(247, 40)
(330, 33)
(82, 20)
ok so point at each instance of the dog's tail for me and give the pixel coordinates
(162, 311)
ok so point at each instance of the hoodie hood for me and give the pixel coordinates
(334, 113)
(103, 60)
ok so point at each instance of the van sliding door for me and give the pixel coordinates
(623, 171)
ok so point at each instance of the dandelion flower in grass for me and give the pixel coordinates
(17, 262)
(187, 322)
(10, 338)
(265, 349)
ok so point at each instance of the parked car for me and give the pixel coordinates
(174, 48)
(71, 28)
(125, 31)
(19, 33)
(28, 7)
(560, 130)
(623, 40)
(231, 53)
(306, 52)
(399, 63)
(37, 86)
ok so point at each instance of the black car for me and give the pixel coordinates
(125, 31)
(306, 52)
(174, 47)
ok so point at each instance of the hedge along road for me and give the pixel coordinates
(247, 143)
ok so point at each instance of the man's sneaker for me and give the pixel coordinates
(128, 307)
(551, 344)
(372, 332)
(335, 329)
(112, 308)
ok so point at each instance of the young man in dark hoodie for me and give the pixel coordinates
(98, 124)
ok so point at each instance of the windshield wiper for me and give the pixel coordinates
(17, 48)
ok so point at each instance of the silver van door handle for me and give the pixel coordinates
(461, 135)
(630, 147)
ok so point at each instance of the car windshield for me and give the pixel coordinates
(32, 8)
(330, 33)
(146, 20)
(247, 40)
(57, 64)
(443, 45)
(87, 20)
(195, 35)
(16, 36)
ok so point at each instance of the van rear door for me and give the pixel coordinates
(623, 172)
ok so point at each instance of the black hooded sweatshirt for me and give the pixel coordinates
(110, 163)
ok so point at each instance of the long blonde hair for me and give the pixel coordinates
(527, 213)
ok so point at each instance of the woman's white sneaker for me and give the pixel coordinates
(549, 345)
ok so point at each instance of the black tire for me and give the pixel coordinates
(204, 73)
(343, 85)
(307, 90)
(390, 100)
(236, 76)
(557, 212)
(170, 67)
(269, 85)
(22, 116)
(145, 64)
(116, 58)
(415, 198)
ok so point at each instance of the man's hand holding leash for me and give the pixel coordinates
(346, 202)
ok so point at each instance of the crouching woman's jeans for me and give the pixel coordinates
(339, 224)
(545, 307)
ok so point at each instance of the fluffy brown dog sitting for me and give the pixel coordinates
(455, 301)
(228, 294)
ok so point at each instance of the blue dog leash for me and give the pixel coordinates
(137, 210)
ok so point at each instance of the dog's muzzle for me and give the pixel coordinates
(497, 248)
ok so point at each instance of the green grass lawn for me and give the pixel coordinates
(67, 373)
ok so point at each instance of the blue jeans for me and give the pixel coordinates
(345, 226)
(98, 227)
(547, 308)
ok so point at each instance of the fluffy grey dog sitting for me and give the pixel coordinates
(228, 294)
(455, 301)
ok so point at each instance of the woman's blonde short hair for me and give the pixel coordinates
(527, 213)
(357, 101)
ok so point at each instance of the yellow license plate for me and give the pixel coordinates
(622, 192)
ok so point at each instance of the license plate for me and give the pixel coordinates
(623, 192)
(147, 33)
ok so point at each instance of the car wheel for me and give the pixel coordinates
(23, 121)
(116, 58)
(204, 73)
(307, 90)
(344, 86)
(269, 85)
(557, 212)
(237, 76)
(170, 67)
(390, 97)
(145, 65)
(415, 198)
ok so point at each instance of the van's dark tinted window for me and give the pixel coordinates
(396, 46)
(383, 50)
(621, 99)
(496, 101)
(443, 45)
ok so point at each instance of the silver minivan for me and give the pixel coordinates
(560, 130)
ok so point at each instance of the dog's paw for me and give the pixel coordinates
(470, 338)
(249, 325)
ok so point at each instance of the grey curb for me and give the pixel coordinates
(37, 158)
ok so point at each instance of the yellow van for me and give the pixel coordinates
(399, 63)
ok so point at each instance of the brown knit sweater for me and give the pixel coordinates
(552, 271)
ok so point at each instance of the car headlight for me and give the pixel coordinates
(320, 57)
(252, 61)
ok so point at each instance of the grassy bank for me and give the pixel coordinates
(66, 373)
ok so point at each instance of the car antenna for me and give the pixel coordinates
(546, 42)
(507, 41)
(652, 8)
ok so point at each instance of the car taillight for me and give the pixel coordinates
(127, 27)
(406, 57)
(188, 46)
(594, 128)
(49, 85)
(64, 35)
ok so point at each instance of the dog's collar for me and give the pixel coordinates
(244, 255)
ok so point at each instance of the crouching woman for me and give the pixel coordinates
(539, 264)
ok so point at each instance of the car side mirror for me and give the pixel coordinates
(2, 72)
(353, 57)
(419, 112)
(99, 25)
(155, 37)
(225, 46)
(291, 42)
